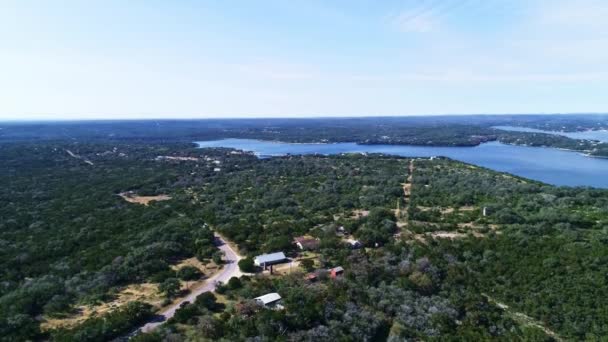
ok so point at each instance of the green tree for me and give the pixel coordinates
(217, 257)
(308, 265)
(247, 265)
(170, 287)
(208, 301)
(234, 283)
(189, 273)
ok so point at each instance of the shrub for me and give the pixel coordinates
(234, 283)
(217, 257)
(185, 313)
(308, 265)
(170, 287)
(247, 265)
(188, 273)
(208, 301)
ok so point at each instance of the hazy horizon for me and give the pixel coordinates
(302, 117)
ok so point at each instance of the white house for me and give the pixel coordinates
(269, 259)
(269, 300)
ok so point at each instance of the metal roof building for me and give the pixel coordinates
(269, 259)
(268, 298)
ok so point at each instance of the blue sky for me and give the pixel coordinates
(180, 59)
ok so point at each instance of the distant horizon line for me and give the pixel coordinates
(286, 117)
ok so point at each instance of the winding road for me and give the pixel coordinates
(230, 269)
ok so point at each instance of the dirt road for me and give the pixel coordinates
(230, 269)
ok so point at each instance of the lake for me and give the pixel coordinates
(544, 164)
(600, 135)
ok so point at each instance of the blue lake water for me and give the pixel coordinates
(600, 135)
(547, 165)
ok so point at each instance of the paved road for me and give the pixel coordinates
(230, 269)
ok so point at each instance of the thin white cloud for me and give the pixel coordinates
(414, 21)
(427, 17)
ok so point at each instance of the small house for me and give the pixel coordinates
(354, 244)
(269, 259)
(270, 300)
(306, 243)
(336, 271)
(311, 277)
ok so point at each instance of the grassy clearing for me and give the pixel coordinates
(145, 292)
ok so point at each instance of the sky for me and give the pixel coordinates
(132, 59)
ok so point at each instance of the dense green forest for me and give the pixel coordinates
(539, 250)
(262, 209)
(470, 254)
(547, 257)
(67, 237)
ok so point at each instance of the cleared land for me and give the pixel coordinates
(144, 200)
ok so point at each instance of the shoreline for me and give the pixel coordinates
(585, 153)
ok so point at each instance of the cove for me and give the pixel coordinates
(544, 164)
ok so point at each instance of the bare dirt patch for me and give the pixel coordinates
(447, 210)
(447, 235)
(359, 213)
(144, 200)
(287, 268)
(401, 224)
(454, 235)
(177, 158)
(475, 226)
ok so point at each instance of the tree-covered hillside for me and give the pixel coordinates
(450, 251)
(67, 236)
(532, 267)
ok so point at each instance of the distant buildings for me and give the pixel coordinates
(269, 259)
(354, 244)
(311, 277)
(307, 243)
(176, 158)
(336, 271)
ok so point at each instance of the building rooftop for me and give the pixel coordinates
(264, 258)
(337, 269)
(307, 242)
(268, 298)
